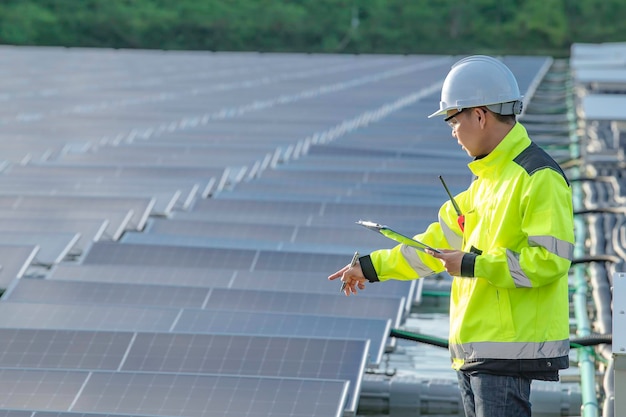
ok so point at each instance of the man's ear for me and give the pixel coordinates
(482, 116)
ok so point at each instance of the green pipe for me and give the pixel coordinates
(575, 343)
(589, 407)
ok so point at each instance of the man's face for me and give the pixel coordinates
(466, 128)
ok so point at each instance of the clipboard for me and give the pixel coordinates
(398, 237)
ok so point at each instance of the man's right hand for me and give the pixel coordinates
(352, 276)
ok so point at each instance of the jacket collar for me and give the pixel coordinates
(513, 143)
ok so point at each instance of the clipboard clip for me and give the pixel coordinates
(395, 236)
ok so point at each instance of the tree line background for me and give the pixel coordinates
(347, 26)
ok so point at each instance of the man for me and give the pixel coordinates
(509, 252)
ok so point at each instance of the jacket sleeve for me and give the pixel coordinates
(404, 262)
(545, 251)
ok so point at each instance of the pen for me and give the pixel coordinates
(352, 263)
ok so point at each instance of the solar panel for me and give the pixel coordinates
(303, 303)
(158, 239)
(167, 395)
(307, 282)
(251, 355)
(40, 390)
(349, 234)
(14, 261)
(94, 293)
(89, 230)
(151, 319)
(114, 171)
(16, 413)
(53, 247)
(163, 201)
(134, 157)
(183, 192)
(284, 324)
(142, 254)
(361, 197)
(136, 254)
(117, 221)
(141, 206)
(218, 229)
(295, 357)
(340, 221)
(68, 414)
(203, 395)
(255, 208)
(291, 172)
(262, 211)
(140, 274)
(86, 317)
(63, 349)
(76, 292)
(603, 107)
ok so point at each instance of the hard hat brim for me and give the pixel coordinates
(438, 113)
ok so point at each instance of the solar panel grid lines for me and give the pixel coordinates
(201, 395)
(63, 349)
(137, 254)
(302, 357)
(141, 206)
(143, 274)
(160, 319)
(302, 303)
(183, 353)
(48, 184)
(139, 173)
(287, 235)
(15, 260)
(219, 229)
(285, 324)
(117, 220)
(39, 390)
(99, 293)
(16, 413)
(290, 173)
(89, 229)
(338, 221)
(305, 210)
(86, 317)
(162, 202)
(257, 105)
(29, 290)
(170, 395)
(162, 353)
(300, 281)
(245, 259)
(52, 247)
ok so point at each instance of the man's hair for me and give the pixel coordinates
(503, 118)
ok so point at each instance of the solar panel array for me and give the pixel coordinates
(179, 213)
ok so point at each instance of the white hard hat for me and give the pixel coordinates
(480, 80)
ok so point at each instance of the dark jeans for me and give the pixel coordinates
(486, 395)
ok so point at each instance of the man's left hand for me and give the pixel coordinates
(451, 260)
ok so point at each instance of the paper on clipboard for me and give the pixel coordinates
(393, 235)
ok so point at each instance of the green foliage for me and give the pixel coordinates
(350, 26)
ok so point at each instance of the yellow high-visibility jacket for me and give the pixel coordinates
(509, 309)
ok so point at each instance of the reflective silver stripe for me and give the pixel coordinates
(454, 240)
(510, 350)
(519, 277)
(553, 245)
(411, 256)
